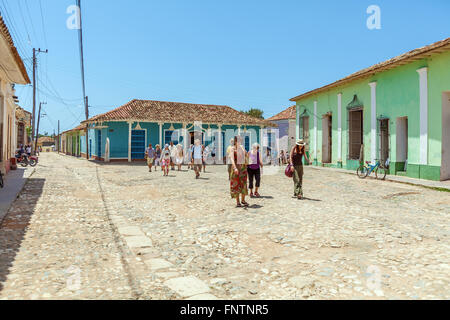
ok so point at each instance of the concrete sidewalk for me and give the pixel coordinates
(13, 184)
(445, 185)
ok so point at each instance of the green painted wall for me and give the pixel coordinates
(397, 95)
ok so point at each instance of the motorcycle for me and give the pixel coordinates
(26, 160)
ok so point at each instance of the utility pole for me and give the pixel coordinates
(83, 84)
(58, 137)
(37, 131)
(34, 95)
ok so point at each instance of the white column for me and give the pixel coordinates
(423, 85)
(340, 127)
(129, 140)
(219, 148)
(315, 130)
(373, 121)
(185, 139)
(160, 135)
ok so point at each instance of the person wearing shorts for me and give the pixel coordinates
(150, 155)
(165, 160)
(197, 158)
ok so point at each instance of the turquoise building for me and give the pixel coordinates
(123, 133)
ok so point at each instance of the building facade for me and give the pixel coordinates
(396, 111)
(12, 72)
(286, 122)
(123, 134)
(23, 124)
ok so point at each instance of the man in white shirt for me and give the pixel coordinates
(173, 155)
(197, 158)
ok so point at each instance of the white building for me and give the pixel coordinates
(12, 71)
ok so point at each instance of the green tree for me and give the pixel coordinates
(256, 113)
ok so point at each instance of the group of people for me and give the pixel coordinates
(173, 155)
(244, 168)
(23, 151)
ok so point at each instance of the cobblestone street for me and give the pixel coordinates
(83, 230)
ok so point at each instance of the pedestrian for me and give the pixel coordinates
(173, 154)
(282, 159)
(150, 155)
(165, 160)
(189, 157)
(197, 158)
(157, 156)
(229, 163)
(238, 180)
(179, 156)
(205, 157)
(254, 170)
(297, 154)
(28, 150)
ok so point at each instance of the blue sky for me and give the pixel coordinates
(243, 54)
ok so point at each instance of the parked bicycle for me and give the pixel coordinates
(365, 170)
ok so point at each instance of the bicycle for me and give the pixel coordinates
(365, 170)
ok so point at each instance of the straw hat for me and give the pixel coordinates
(301, 143)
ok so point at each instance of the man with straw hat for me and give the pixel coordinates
(296, 160)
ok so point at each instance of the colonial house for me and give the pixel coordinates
(396, 111)
(286, 122)
(70, 141)
(12, 71)
(123, 133)
(23, 121)
(46, 144)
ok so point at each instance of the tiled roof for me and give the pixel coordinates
(177, 112)
(5, 33)
(414, 55)
(45, 139)
(289, 113)
(22, 113)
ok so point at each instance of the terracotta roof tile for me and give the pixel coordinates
(289, 113)
(5, 33)
(177, 112)
(413, 55)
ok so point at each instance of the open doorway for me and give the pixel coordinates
(445, 165)
(326, 138)
(384, 140)
(402, 143)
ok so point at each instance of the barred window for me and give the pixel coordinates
(355, 130)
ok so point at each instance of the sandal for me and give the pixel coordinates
(239, 205)
(257, 195)
(245, 204)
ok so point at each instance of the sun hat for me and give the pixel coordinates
(301, 143)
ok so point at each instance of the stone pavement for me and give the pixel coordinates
(84, 230)
(13, 184)
(444, 185)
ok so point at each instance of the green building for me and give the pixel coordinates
(397, 110)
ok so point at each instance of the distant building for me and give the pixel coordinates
(126, 131)
(46, 144)
(397, 110)
(23, 121)
(286, 121)
(12, 72)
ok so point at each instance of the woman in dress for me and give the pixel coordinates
(157, 156)
(254, 169)
(165, 160)
(296, 160)
(238, 181)
(179, 156)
